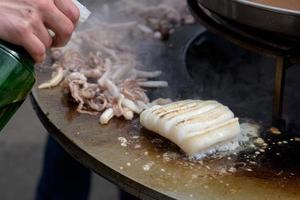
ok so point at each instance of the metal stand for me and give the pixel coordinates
(277, 118)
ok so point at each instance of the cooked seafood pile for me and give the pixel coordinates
(104, 82)
(195, 126)
(100, 73)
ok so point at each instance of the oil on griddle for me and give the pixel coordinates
(216, 70)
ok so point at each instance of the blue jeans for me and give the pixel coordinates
(63, 178)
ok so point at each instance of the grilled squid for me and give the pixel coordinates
(56, 79)
(195, 126)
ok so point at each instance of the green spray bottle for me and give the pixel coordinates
(16, 79)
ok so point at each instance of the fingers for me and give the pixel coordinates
(61, 25)
(42, 33)
(34, 47)
(68, 8)
(61, 17)
(26, 23)
(20, 31)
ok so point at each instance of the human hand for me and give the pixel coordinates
(26, 23)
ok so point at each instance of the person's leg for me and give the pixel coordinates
(63, 178)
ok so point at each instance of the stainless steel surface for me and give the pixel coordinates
(257, 15)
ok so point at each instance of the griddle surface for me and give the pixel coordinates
(152, 168)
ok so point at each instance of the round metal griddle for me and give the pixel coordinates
(275, 17)
(149, 166)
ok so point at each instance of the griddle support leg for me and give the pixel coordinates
(277, 120)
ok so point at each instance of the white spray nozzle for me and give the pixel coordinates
(84, 15)
(84, 12)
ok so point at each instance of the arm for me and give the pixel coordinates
(26, 23)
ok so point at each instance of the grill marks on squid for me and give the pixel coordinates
(180, 121)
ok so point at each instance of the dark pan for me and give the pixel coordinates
(275, 19)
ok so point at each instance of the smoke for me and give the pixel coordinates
(212, 68)
(113, 24)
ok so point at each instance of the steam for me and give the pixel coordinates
(117, 24)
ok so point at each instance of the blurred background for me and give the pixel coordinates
(22, 144)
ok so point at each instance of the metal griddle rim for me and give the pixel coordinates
(123, 182)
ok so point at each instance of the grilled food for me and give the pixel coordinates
(194, 125)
